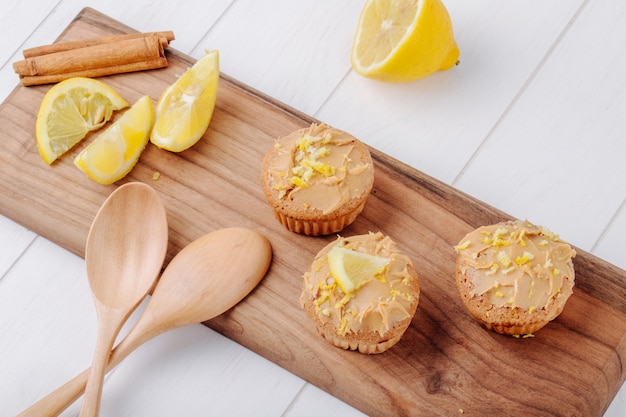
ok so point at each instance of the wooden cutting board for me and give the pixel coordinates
(444, 365)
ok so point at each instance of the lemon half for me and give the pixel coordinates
(70, 110)
(352, 269)
(116, 150)
(185, 108)
(403, 40)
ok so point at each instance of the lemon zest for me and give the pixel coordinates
(524, 259)
(342, 327)
(463, 246)
(504, 259)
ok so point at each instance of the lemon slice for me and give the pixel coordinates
(70, 110)
(403, 40)
(352, 269)
(185, 108)
(116, 150)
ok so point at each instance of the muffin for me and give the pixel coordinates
(317, 179)
(374, 312)
(514, 277)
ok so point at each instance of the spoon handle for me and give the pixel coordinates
(110, 322)
(57, 401)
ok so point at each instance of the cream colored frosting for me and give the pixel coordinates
(517, 264)
(378, 304)
(320, 167)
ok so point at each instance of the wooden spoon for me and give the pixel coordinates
(125, 250)
(207, 277)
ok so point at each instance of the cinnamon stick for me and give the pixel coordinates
(92, 73)
(165, 37)
(93, 57)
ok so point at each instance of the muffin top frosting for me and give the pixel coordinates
(377, 305)
(517, 264)
(319, 168)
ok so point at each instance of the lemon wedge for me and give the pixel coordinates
(403, 40)
(70, 110)
(352, 269)
(116, 150)
(185, 108)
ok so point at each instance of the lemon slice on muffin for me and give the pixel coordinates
(352, 269)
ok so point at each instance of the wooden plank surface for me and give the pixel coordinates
(445, 362)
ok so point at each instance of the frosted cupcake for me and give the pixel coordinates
(317, 179)
(361, 293)
(514, 277)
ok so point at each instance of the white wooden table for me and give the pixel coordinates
(532, 121)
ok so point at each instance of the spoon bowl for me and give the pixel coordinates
(126, 247)
(205, 279)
